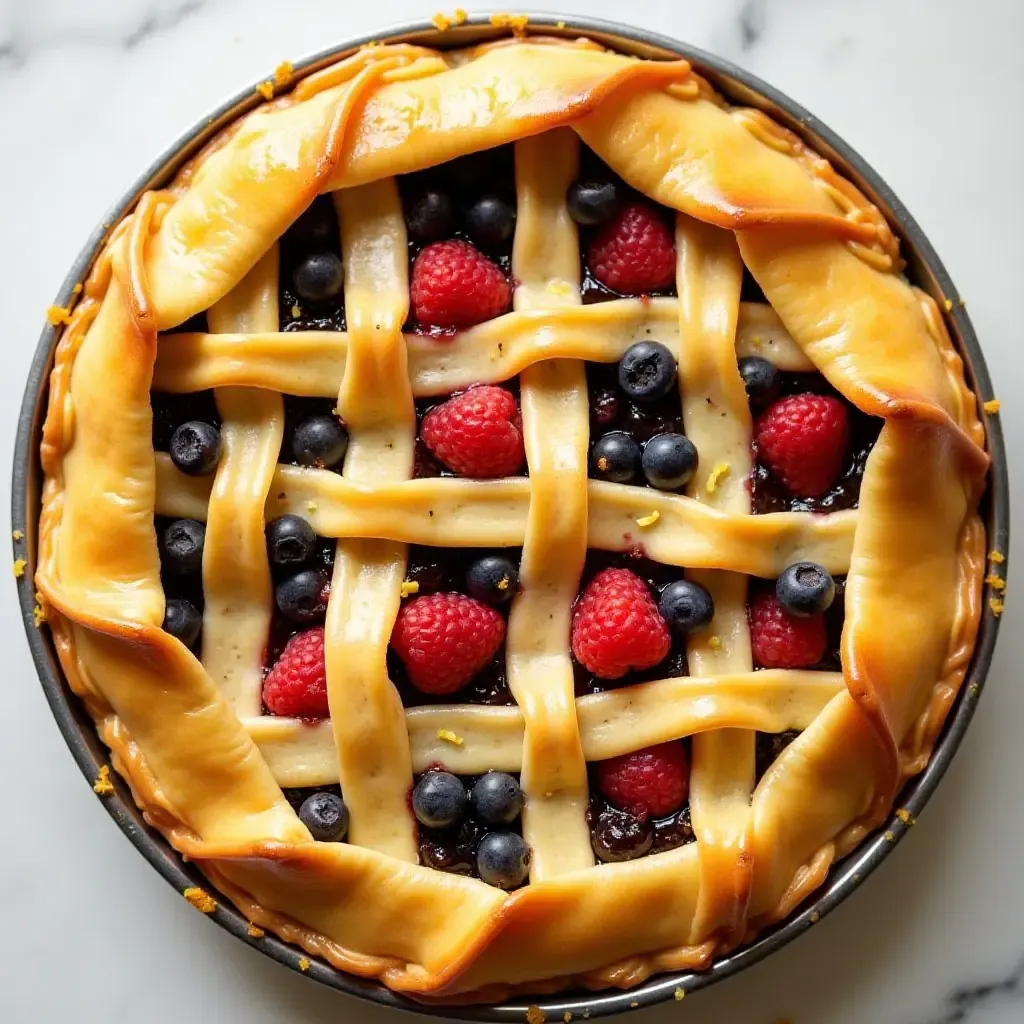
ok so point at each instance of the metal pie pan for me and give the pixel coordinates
(924, 268)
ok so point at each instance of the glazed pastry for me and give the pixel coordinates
(509, 517)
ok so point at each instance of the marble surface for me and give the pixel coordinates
(928, 90)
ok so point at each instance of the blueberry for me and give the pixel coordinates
(618, 835)
(615, 457)
(492, 579)
(760, 378)
(430, 216)
(326, 817)
(647, 371)
(669, 461)
(290, 542)
(496, 798)
(182, 620)
(503, 860)
(319, 441)
(181, 547)
(805, 588)
(317, 226)
(439, 799)
(195, 448)
(302, 597)
(318, 277)
(686, 606)
(592, 201)
(490, 222)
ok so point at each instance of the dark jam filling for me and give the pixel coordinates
(315, 232)
(611, 409)
(454, 849)
(618, 835)
(768, 493)
(443, 570)
(171, 411)
(769, 748)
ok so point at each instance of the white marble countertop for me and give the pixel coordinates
(929, 91)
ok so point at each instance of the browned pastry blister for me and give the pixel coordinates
(208, 768)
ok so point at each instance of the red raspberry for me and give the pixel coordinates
(456, 285)
(634, 252)
(297, 684)
(781, 640)
(616, 626)
(803, 440)
(650, 782)
(445, 639)
(477, 434)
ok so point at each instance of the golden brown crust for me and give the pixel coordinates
(743, 187)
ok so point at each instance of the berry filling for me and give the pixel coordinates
(311, 294)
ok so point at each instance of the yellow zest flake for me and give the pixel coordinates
(39, 614)
(516, 22)
(995, 582)
(905, 816)
(283, 73)
(504, 583)
(443, 22)
(949, 305)
(19, 568)
(650, 520)
(254, 932)
(311, 506)
(715, 643)
(266, 89)
(77, 290)
(996, 605)
(889, 837)
(679, 994)
(296, 311)
(718, 473)
(410, 587)
(991, 406)
(304, 965)
(534, 1014)
(561, 288)
(449, 737)
(201, 900)
(996, 556)
(17, 535)
(58, 315)
(103, 786)
(559, 24)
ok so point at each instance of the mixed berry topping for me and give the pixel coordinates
(503, 860)
(496, 798)
(296, 685)
(430, 216)
(780, 639)
(443, 640)
(616, 626)
(477, 434)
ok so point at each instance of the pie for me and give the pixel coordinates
(534, 478)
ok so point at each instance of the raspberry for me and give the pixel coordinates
(803, 440)
(456, 285)
(616, 626)
(445, 639)
(296, 686)
(477, 434)
(634, 252)
(781, 640)
(648, 783)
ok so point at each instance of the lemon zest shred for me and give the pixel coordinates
(995, 582)
(449, 737)
(283, 73)
(103, 786)
(57, 315)
(649, 520)
(996, 605)
(996, 556)
(991, 406)
(410, 587)
(17, 535)
(266, 89)
(718, 473)
(254, 931)
(200, 899)
(304, 964)
(19, 568)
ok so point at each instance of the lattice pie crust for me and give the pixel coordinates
(189, 737)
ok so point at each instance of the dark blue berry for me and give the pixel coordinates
(647, 371)
(669, 461)
(439, 799)
(182, 620)
(490, 222)
(317, 226)
(805, 588)
(619, 836)
(320, 441)
(318, 277)
(326, 817)
(760, 378)
(686, 606)
(615, 457)
(290, 542)
(496, 798)
(492, 579)
(181, 547)
(195, 448)
(592, 201)
(503, 860)
(302, 598)
(430, 216)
